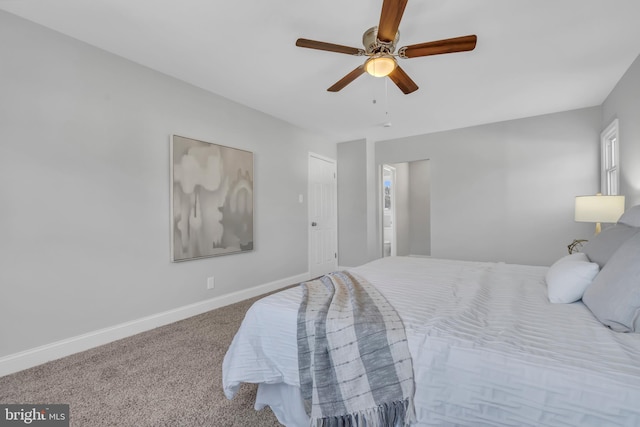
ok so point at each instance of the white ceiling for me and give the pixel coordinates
(533, 56)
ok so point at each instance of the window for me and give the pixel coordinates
(610, 169)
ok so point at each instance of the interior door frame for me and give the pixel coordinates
(392, 208)
(334, 213)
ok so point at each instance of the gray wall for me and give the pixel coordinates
(419, 208)
(412, 198)
(403, 209)
(84, 166)
(624, 104)
(352, 203)
(374, 226)
(505, 191)
(356, 202)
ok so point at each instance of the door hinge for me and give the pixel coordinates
(335, 255)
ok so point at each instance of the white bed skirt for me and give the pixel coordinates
(285, 401)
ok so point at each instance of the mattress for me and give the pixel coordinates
(488, 348)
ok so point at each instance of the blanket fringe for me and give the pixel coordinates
(395, 414)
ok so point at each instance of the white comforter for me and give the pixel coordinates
(488, 348)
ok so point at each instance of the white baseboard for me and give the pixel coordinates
(45, 353)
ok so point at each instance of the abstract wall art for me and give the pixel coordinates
(211, 199)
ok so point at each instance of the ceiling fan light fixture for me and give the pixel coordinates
(380, 65)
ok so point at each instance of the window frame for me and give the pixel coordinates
(610, 159)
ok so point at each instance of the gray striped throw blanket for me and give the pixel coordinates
(353, 357)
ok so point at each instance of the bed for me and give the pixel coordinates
(488, 346)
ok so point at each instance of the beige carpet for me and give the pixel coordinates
(170, 376)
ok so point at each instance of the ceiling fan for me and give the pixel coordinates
(379, 45)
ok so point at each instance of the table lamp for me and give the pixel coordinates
(598, 209)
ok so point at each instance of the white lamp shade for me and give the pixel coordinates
(606, 209)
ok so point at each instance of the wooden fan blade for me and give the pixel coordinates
(330, 47)
(456, 44)
(340, 84)
(390, 17)
(403, 81)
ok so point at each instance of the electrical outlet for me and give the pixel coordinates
(210, 282)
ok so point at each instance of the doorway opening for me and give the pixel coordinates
(388, 211)
(406, 208)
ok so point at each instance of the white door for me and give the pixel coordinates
(323, 216)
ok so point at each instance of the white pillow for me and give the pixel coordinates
(569, 277)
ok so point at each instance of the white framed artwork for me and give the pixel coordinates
(211, 199)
